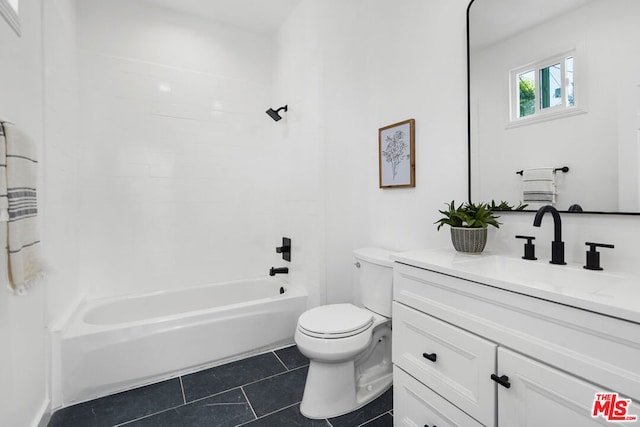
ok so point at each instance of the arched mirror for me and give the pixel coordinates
(555, 84)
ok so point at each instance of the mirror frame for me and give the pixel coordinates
(469, 134)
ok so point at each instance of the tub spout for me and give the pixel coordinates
(280, 270)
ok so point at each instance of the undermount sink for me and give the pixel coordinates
(540, 274)
(608, 292)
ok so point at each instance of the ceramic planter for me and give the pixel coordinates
(469, 240)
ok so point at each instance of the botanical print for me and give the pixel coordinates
(395, 152)
(396, 157)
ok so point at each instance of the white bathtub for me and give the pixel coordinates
(114, 344)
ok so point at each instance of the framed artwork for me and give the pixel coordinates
(396, 152)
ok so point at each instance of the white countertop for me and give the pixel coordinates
(606, 292)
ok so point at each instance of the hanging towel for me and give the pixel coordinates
(538, 185)
(21, 265)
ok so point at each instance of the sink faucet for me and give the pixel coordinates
(280, 270)
(557, 246)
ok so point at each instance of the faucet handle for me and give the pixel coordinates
(285, 249)
(593, 256)
(529, 247)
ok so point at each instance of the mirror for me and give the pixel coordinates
(555, 84)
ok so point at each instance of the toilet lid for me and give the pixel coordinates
(335, 321)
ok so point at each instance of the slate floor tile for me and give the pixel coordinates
(289, 417)
(224, 396)
(227, 409)
(231, 375)
(292, 357)
(373, 409)
(120, 407)
(384, 421)
(277, 392)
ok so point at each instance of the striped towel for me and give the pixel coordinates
(22, 265)
(538, 185)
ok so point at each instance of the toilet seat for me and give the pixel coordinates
(335, 321)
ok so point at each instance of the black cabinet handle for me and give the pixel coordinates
(427, 425)
(503, 380)
(431, 356)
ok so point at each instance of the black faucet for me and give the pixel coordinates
(281, 270)
(557, 246)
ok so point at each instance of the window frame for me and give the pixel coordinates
(11, 15)
(547, 113)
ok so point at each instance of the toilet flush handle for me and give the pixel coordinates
(357, 264)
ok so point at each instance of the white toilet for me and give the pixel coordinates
(349, 347)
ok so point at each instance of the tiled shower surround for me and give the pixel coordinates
(263, 390)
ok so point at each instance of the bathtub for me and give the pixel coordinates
(113, 344)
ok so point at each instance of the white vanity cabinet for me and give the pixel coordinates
(451, 334)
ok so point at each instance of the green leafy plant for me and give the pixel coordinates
(505, 206)
(468, 215)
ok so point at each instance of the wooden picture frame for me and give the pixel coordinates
(396, 155)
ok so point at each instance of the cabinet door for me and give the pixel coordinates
(540, 395)
(414, 404)
(452, 362)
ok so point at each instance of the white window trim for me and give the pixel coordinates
(551, 113)
(11, 16)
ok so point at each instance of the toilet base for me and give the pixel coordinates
(327, 396)
(330, 389)
(334, 389)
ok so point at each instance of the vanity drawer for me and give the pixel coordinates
(454, 363)
(416, 405)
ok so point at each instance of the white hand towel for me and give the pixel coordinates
(539, 174)
(22, 264)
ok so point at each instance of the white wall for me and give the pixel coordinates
(416, 68)
(379, 68)
(60, 203)
(61, 157)
(23, 395)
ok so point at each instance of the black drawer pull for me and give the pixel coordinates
(431, 356)
(427, 425)
(503, 380)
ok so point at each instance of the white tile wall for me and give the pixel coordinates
(185, 179)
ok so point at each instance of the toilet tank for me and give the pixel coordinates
(374, 277)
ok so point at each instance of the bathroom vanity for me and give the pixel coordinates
(489, 340)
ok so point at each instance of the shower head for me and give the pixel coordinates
(274, 113)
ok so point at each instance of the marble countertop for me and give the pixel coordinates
(606, 292)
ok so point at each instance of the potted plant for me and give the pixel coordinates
(468, 223)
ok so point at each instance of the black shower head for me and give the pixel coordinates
(274, 113)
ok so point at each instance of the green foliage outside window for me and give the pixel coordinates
(527, 97)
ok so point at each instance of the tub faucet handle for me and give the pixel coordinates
(285, 249)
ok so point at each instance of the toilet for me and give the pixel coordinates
(349, 347)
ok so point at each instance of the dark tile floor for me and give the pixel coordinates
(260, 391)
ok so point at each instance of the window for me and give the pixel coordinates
(9, 10)
(543, 90)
